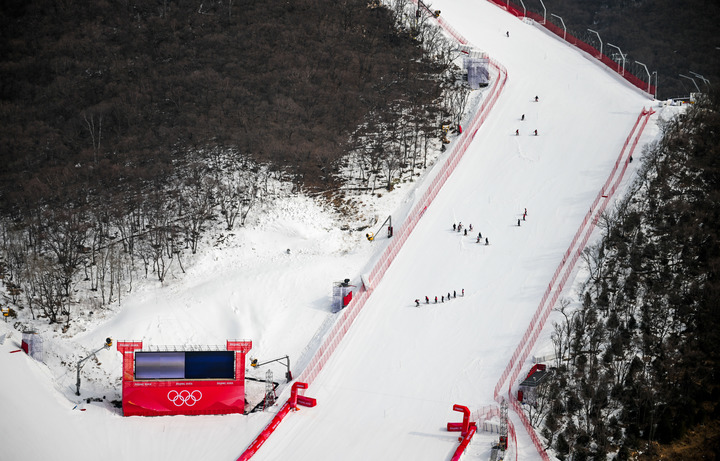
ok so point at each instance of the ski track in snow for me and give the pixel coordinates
(388, 390)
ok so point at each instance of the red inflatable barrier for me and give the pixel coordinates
(466, 418)
(464, 442)
(291, 404)
(306, 401)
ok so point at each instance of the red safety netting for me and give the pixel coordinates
(592, 51)
(402, 232)
(564, 270)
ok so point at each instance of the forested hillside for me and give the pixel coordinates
(131, 127)
(109, 95)
(636, 368)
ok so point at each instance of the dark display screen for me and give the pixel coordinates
(160, 365)
(185, 365)
(210, 365)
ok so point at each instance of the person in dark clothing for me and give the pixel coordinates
(522, 117)
(518, 223)
(448, 296)
(536, 99)
(465, 231)
(487, 242)
(442, 299)
(517, 132)
(427, 300)
(454, 227)
(454, 294)
(435, 299)
(417, 303)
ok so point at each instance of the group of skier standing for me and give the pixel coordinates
(460, 228)
(442, 297)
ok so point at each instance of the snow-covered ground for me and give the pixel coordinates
(388, 390)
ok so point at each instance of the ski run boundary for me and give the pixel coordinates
(402, 232)
(562, 274)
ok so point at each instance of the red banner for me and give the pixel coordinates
(158, 398)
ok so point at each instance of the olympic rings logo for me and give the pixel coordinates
(184, 397)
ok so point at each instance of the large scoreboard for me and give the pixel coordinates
(192, 382)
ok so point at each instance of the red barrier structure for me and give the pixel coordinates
(291, 404)
(515, 10)
(466, 429)
(465, 441)
(157, 383)
(463, 427)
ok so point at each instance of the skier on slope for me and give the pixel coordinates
(427, 300)
(522, 117)
(417, 303)
(536, 99)
(518, 223)
(487, 242)
(535, 132)
(517, 132)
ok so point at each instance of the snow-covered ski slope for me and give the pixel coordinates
(389, 389)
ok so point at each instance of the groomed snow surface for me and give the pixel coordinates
(388, 390)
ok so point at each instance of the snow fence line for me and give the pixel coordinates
(563, 272)
(516, 10)
(402, 232)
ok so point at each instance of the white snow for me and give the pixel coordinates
(388, 390)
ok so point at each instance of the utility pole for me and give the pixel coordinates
(254, 363)
(706, 81)
(107, 345)
(599, 39)
(648, 74)
(563, 24)
(693, 80)
(544, 12)
(622, 56)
